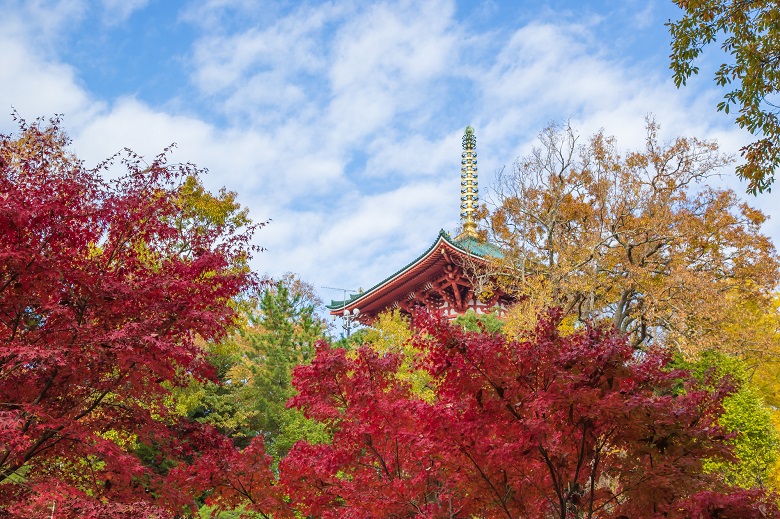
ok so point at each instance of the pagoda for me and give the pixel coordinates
(441, 278)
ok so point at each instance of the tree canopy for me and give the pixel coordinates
(254, 367)
(638, 239)
(550, 426)
(750, 32)
(104, 285)
(745, 413)
(146, 372)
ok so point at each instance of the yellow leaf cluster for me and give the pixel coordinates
(635, 239)
(390, 334)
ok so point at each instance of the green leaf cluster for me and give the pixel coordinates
(750, 32)
(756, 442)
(254, 373)
(474, 322)
(281, 336)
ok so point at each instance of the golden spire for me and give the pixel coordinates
(468, 183)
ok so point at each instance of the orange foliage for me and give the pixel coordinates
(638, 239)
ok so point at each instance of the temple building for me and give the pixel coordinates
(441, 278)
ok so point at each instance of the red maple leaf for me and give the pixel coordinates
(99, 303)
(551, 426)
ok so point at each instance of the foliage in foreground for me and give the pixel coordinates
(755, 438)
(103, 285)
(551, 426)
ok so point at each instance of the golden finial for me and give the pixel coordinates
(468, 183)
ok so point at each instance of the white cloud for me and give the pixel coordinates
(409, 156)
(43, 20)
(38, 87)
(347, 73)
(117, 11)
(643, 15)
(132, 124)
(342, 122)
(224, 61)
(547, 72)
(265, 168)
(360, 238)
(385, 65)
(394, 45)
(31, 80)
(214, 15)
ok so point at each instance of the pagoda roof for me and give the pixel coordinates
(403, 279)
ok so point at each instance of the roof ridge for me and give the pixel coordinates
(483, 251)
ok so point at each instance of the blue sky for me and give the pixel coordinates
(341, 121)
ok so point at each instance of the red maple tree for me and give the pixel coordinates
(103, 285)
(553, 426)
(229, 479)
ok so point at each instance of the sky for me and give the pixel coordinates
(341, 121)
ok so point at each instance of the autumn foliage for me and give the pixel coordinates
(747, 31)
(103, 285)
(113, 291)
(637, 238)
(228, 478)
(550, 426)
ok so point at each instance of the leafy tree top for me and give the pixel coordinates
(635, 237)
(103, 287)
(749, 34)
(549, 426)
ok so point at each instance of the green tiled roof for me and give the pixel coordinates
(466, 244)
(479, 248)
(336, 304)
